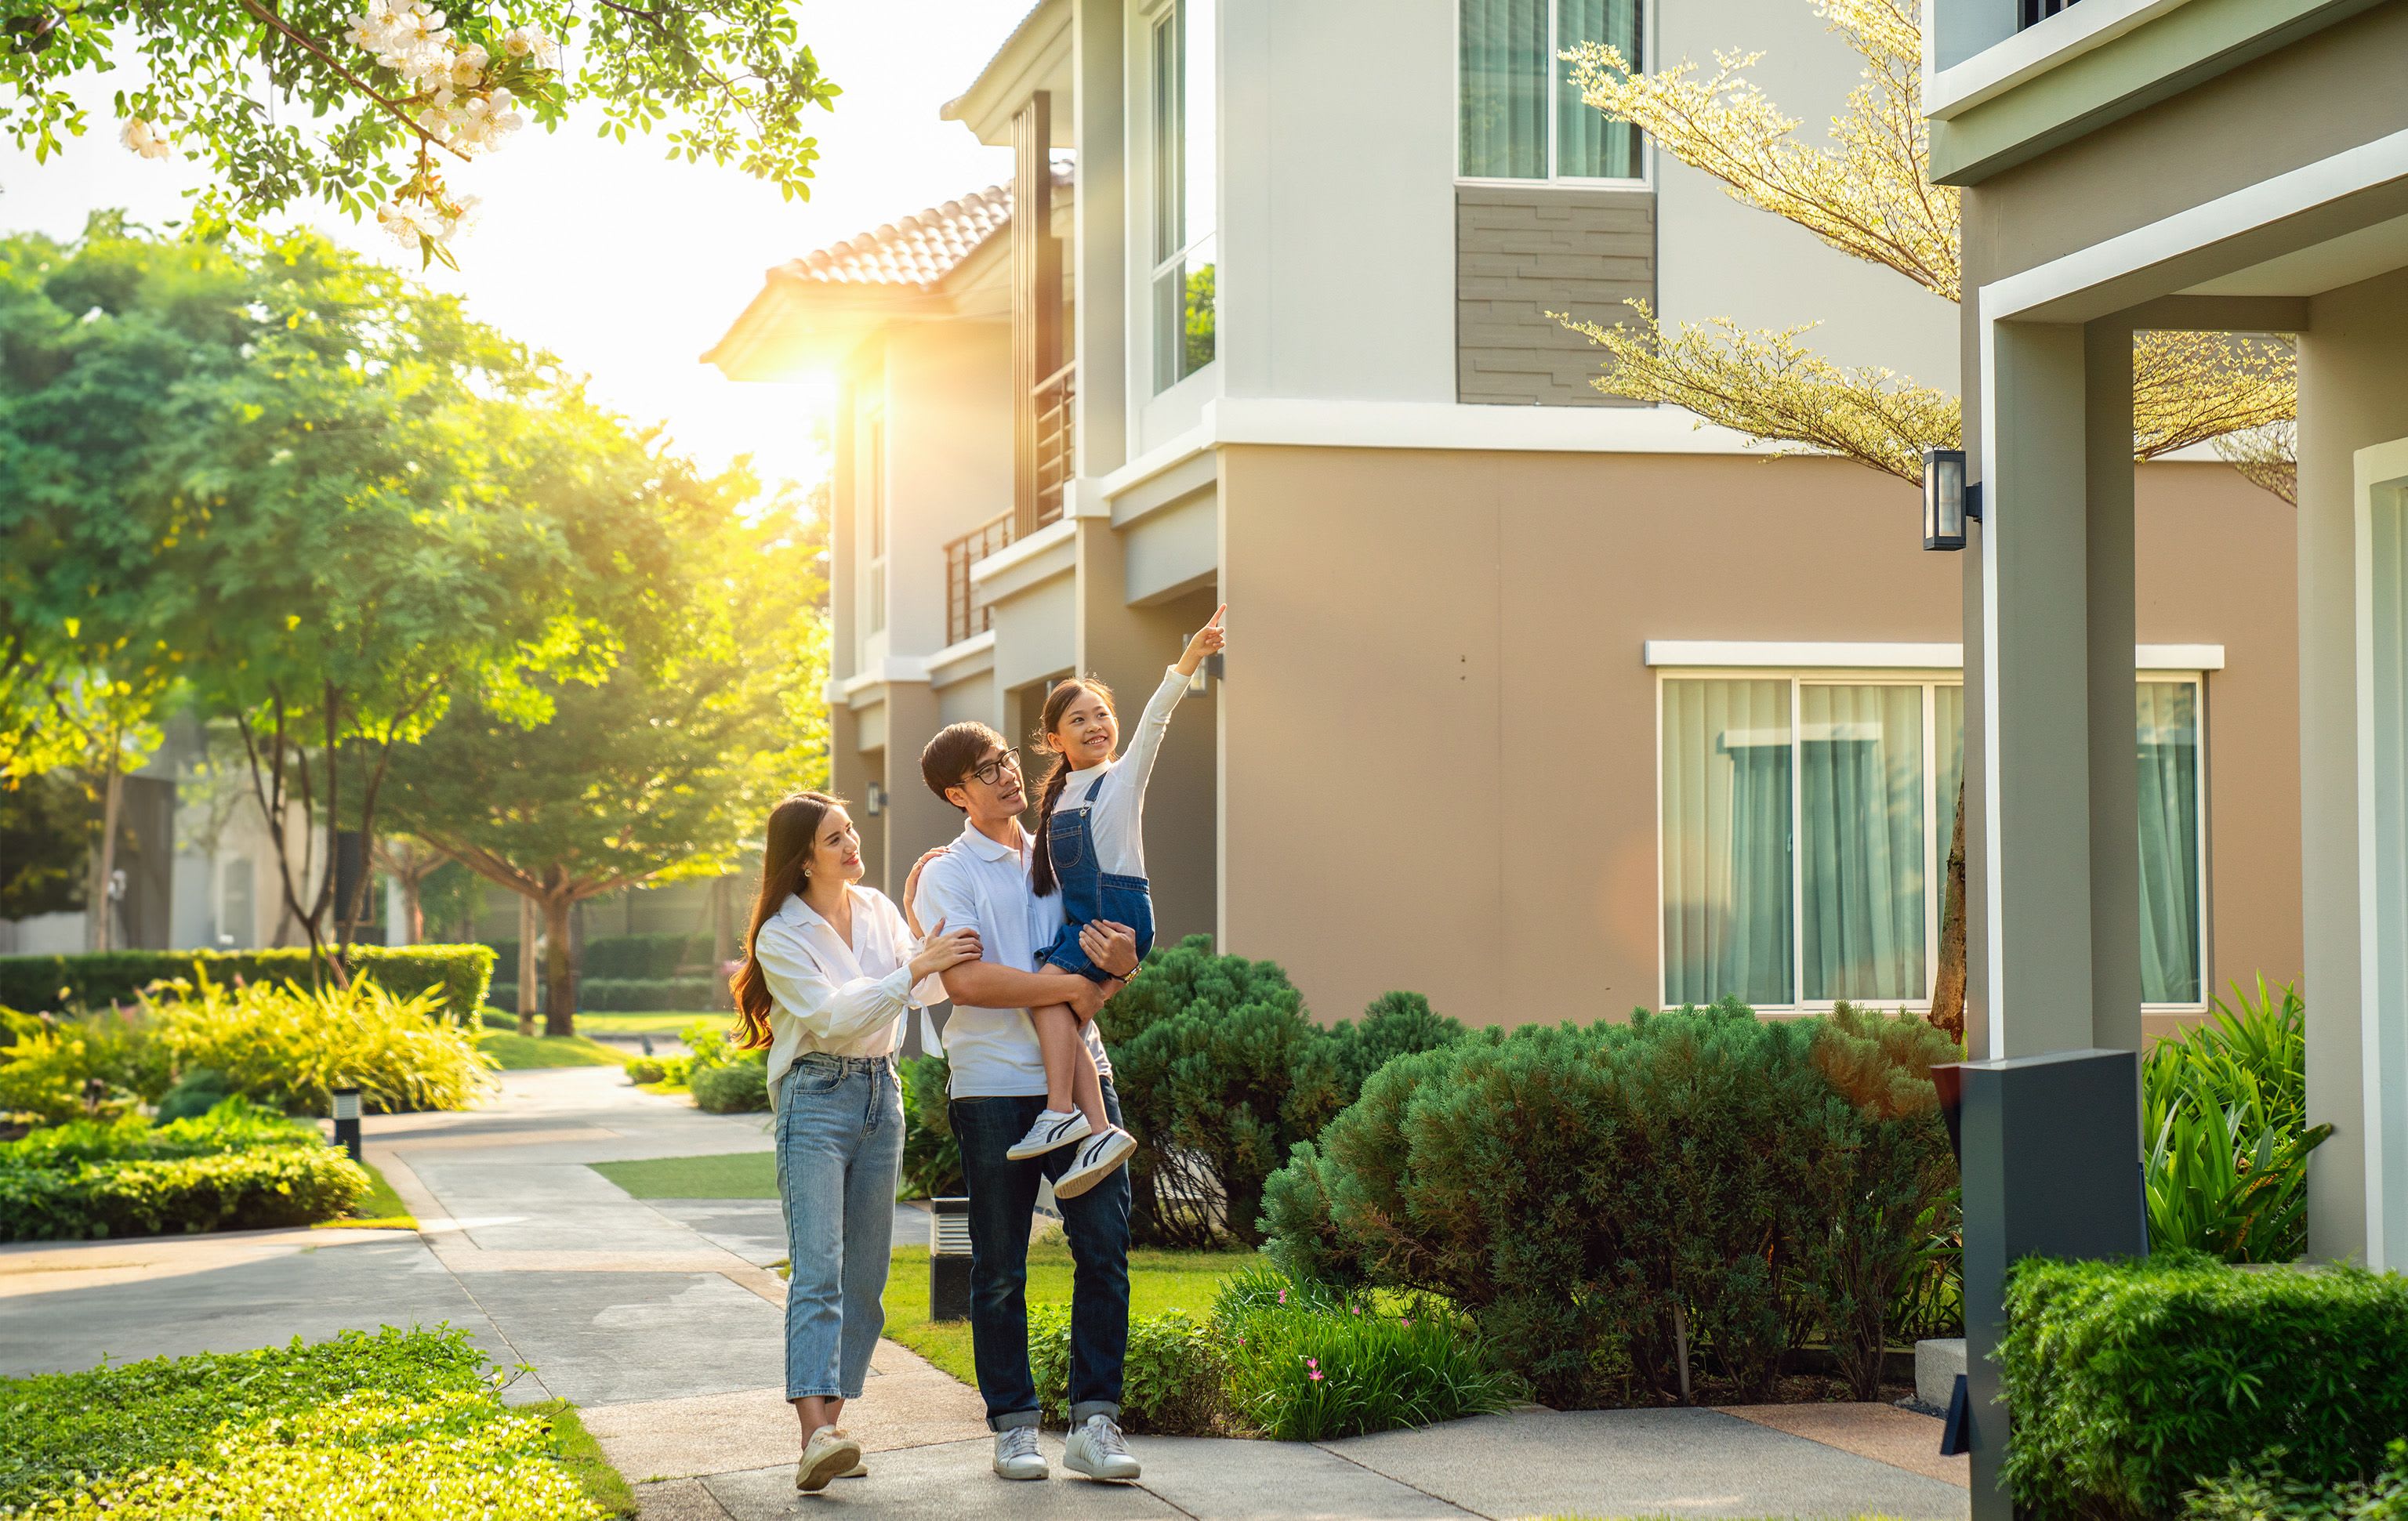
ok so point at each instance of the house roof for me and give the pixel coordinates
(919, 251)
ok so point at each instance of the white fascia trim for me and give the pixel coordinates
(1177, 451)
(2033, 51)
(894, 669)
(2287, 194)
(1459, 426)
(962, 660)
(1787, 654)
(1051, 551)
(1019, 549)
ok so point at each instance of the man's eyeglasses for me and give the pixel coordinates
(991, 771)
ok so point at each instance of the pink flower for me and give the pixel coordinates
(1409, 1325)
(1282, 1296)
(1312, 1362)
(1316, 1376)
(1356, 1308)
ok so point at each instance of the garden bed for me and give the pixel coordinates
(408, 1425)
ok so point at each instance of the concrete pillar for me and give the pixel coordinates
(1099, 210)
(2352, 396)
(1127, 647)
(915, 820)
(2108, 595)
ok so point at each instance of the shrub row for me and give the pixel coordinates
(631, 995)
(1616, 1204)
(624, 956)
(57, 984)
(392, 1423)
(2133, 1383)
(233, 1168)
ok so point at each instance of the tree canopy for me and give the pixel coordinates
(363, 110)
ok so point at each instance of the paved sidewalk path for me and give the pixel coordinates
(661, 1319)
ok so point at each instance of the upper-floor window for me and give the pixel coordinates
(1522, 117)
(1185, 182)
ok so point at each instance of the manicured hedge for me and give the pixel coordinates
(235, 1168)
(50, 984)
(621, 957)
(2134, 1383)
(631, 995)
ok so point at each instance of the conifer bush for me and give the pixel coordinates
(1607, 1200)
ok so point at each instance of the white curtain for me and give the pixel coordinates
(1503, 90)
(1860, 790)
(2167, 744)
(1588, 143)
(1725, 833)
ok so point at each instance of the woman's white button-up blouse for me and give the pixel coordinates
(825, 995)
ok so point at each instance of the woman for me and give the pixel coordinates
(829, 970)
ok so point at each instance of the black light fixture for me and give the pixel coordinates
(1944, 499)
(873, 800)
(346, 1114)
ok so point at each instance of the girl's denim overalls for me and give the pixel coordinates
(1089, 892)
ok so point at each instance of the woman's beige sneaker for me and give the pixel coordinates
(827, 1455)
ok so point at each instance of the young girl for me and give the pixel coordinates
(1091, 846)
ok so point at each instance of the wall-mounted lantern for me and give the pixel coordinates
(1944, 499)
(873, 801)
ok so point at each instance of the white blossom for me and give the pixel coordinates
(531, 44)
(146, 139)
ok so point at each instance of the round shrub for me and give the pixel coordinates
(1604, 1201)
(288, 1045)
(736, 1087)
(1171, 1377)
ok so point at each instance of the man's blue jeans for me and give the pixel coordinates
(1003, 1193)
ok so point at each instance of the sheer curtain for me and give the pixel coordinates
(1860, 828)
(2167, 752)
(1503, 90)
(1726, 832)
(1588, 144)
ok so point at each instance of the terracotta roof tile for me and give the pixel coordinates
(922, 249)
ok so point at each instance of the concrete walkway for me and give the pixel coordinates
(661, 1319)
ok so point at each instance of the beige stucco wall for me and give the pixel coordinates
(1438, 736)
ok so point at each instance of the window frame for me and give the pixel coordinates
(1646, 178)
(1158, 17)
(870, 501)
(1935, 851)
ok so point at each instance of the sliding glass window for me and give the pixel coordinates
(1805, 827)
(1520, 115)
(1184, 183)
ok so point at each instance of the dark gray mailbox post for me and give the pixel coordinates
(949, 1259)
(2050, 1150)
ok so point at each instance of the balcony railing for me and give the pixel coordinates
(1054, 397)
(965, 612)
(2037, 11)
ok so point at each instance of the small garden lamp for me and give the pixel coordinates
(1944, 499)
(347, 1121)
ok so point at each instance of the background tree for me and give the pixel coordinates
(664, 766)
(1869, 194)
(360, 105)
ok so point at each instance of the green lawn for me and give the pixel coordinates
(517, 1053)
(739, 1174)
(1158, 1281)
(381, 1210)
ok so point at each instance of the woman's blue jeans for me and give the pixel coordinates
(839, 1149)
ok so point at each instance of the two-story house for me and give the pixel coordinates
(1538, 701)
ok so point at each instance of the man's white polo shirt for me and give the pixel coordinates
(979, 881)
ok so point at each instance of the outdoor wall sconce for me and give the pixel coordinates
(1944, 499)
(873, 801)
(347, 1121)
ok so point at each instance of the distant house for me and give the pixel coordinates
(1540, 703)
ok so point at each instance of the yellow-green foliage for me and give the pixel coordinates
(45, 1064)
(235, 1168)
(284, 1044)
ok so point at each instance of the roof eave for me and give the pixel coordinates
(1036, 56)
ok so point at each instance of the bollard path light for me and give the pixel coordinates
(949, 1259)
(1944, 499)
(347, 1121)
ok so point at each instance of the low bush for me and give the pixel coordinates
(1613, 1204)
(47, 1063)
(626, 955)
(1221, 1070)
(235, 1168)
(2242, 1496)
(399, 1423)
(2224, 1119)
(640, 995)
(932, 1159)
(1302, 1365)
(458, 974)
(737, 1087)
(2135, 1382)
(288, 1047)
(1170, 1379)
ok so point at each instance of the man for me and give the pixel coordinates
(999, 1089)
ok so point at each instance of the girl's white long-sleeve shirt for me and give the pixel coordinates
(847, 999)
(1118, 813)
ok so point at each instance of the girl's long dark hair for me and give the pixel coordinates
(785, 854)
(1057, 701)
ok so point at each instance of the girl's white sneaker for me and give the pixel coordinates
(1052, 1131)
(1095, 1163)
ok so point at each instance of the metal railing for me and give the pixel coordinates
(965, 612)
(2037, 11)
(1054, 440)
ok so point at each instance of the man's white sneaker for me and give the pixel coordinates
(1096, 1449)
(1015, 1454)
(829, 1453)
(1054, 1130)
(1095, 1162)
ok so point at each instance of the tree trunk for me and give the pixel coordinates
(529, 928)
(100, 923)
(413, 916)
(723, 939)
(559, 968)
(1948, 985)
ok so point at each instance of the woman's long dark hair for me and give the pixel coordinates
(1057, 701)
(786, 856)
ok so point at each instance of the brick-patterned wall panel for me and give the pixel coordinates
(1523, 251)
